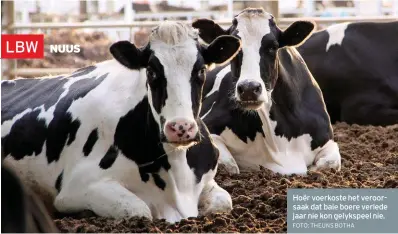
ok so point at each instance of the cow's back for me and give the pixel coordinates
(354, 64)
(38, 123)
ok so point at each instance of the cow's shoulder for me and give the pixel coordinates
(202, 157)
(137, 137)
(298, 106)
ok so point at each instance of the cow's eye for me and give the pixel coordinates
(272, 50)
(202, 72)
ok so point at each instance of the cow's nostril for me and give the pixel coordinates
(171, 127)
(191, 127)
(257, 89)
(240, 90)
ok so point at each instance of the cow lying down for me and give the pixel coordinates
(264, 107)
(122, 138)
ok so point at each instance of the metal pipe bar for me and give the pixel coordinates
(18, 26)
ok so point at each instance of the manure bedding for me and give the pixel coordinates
(369, 160)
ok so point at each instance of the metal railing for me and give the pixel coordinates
(283, 23)
(12, 71)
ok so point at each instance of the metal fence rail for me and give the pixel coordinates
(281, 21)
(12, 71)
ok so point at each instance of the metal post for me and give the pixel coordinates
(395, 8)
(128, 15)
(274, 8)
(83, 10)
(10, 17)
(309, 7)
(230, 9)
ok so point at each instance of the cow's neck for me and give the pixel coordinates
(286, 100)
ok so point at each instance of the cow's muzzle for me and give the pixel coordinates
(249, 94)
(181, 132)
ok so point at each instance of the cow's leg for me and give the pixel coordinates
(214, 199)
(105, 198)
(225, 158)
(328, 157)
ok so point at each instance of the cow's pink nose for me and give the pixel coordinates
(181, 130)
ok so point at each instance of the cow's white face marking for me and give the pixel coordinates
(178, 65)
(251, 29)
(173, 70)
(336, 34)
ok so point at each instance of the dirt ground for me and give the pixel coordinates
(369, 160)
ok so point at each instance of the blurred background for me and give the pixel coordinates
(95, 24)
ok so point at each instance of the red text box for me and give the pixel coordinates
(22, 46)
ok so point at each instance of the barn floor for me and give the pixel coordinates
(370, 160)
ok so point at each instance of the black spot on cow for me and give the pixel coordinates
(109, 158)
(158, 83)
(197, 80)
(58, 182)
(159, 181)
(91, 140)
(26, 137)
(62, 128)
(137, 136)
(202, 157)
(23, 94)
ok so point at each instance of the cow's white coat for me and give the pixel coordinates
(119, 191)
(336, 34)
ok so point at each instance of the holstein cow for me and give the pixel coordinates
(265, 108)
(356, 66)
(114, 137)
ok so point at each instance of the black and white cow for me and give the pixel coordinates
(356, 66)
(265, 108)
(116, 137)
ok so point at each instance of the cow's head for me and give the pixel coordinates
(175, 67)
(256, 65)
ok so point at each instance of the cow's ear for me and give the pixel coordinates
(208, 30)
(221, 50)
(296, 33)
(130, 56)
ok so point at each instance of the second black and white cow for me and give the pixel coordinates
(265, 108)
(356, 66)
(116, 137)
